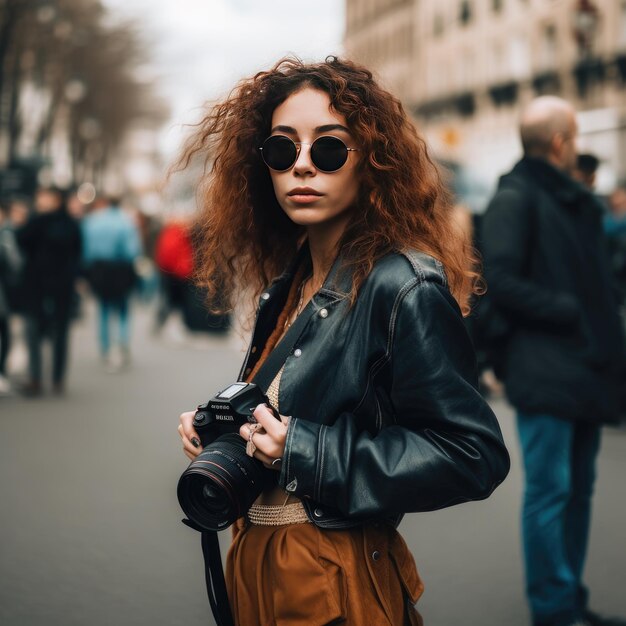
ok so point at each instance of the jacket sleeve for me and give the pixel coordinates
(506, 242)
(444, 445)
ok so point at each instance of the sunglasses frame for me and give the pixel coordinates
(299, 144)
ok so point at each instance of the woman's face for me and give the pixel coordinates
(309, 196)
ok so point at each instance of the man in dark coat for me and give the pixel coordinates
(549, 282)
(51, 244)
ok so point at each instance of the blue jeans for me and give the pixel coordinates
(121, 308)
(560, 467)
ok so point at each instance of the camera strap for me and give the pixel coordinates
(215, 583)
(213, 571)
(277, 357)
(214, 576)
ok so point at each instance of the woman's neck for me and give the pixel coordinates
(324, 244)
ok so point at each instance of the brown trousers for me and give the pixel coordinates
(300, 575)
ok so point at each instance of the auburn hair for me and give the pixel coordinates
(244, 237)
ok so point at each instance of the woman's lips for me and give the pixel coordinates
(304, 198)
(304, 195)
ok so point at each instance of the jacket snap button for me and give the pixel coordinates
(318, 513)
(253, 349)
(297, 352)
(265, 296)
(376, 555)
(324, 313)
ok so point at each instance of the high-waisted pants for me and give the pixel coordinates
(301, 575)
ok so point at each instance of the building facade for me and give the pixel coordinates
(465, 68)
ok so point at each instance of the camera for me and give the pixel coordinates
(222, 482)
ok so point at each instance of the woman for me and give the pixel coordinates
(317, 169)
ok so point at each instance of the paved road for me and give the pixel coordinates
(90, 522)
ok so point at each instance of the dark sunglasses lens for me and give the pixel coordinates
(279, 152)
(329, 153)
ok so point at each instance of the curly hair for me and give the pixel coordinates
(245, 235)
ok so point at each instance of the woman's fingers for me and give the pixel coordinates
(191, 442)
(188, 448)
(186, 421)
(268, 446)
(268, 436)
(266, 418)
(265, 444)
(270, 463)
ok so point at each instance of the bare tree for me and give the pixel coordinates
(83, 67)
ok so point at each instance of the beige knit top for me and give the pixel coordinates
(274, 388)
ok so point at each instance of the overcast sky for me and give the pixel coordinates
(202, 47)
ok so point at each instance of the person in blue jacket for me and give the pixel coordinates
(111, 247)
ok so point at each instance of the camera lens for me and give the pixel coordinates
(210, 494)
(221, 483)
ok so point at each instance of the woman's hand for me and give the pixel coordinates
(191, 442)
(269, 439)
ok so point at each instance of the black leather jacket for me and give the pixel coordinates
(387, 418)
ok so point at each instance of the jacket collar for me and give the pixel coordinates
(563, 187)
(336, 285)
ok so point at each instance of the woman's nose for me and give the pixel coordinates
(303, 164)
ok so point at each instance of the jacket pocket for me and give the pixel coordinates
(308, 585)
(336, 592)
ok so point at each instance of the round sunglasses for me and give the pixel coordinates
(328, 153)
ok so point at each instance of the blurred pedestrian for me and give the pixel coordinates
(19, 212)
(10, 269)
(174, 256)
(51, 244)
(76, 208)
(615, 229)
(549, 277)
(111, 247)
(586, 169)
(321, 181)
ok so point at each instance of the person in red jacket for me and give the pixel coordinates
(174, 258)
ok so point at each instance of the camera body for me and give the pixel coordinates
(222, 482)
(228, 410)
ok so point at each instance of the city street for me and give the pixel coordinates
(91, 531)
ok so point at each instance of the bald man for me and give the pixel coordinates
(563, 351)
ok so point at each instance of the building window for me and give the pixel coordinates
(549, 47)
(497, 69)
(519, 57)
(466, 66)
(622, 26)
(465, 12)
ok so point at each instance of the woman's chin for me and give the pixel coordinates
(308, 216)
(314, 217)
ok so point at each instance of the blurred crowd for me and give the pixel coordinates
(57, 251)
